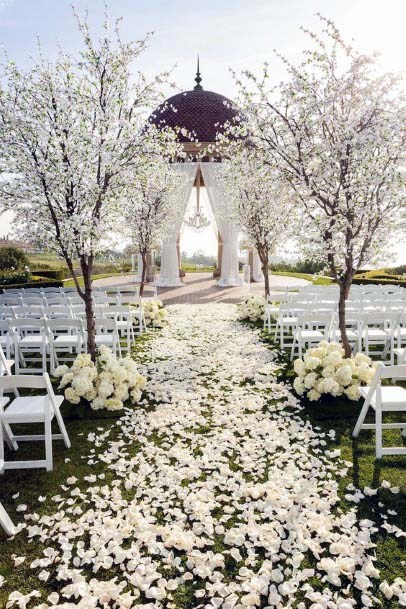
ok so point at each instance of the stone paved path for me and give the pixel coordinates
(201, 288)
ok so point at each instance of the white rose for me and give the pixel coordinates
(352, 392)
(313, 395)
(298, 385)
(310, 380)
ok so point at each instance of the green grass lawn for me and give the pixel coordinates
(339, 414)
(315, 280)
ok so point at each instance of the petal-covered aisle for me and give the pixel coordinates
(217, 493)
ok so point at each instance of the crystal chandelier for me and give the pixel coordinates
(198, 220)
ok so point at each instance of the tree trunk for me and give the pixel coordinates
(89, 308)
(344, 290)
(144, 272)
(263, 256)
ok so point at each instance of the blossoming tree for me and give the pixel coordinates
(336, 129)
(71, 131)
(260, 200)
(150, 201)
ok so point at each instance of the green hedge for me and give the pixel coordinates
(58, 274)
(41, 282)
(378, 281)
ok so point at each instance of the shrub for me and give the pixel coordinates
(12, 259)
(10, 278)
(58, 274)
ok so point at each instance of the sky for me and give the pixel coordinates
(237, 34)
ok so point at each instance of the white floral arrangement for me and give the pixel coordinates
(155, 313)
(106, 384)
(324, 370)
(252, 308)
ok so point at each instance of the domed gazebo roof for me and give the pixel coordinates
(202, 113)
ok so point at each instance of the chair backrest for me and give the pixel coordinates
(28, 381)
(370, 318)
(54, 290)
(58, 312)
(72, 300)
(388, 372)
(106, 324)
(118, 311)
(10, 301)
(27, 325)
(28, 312)
(29, 301)
(54, 299)
(316, 320)
(65, 324)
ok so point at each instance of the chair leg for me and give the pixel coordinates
(6, 522)
(62, 428)
(9, 436)
(360, 419)
(48, 444)
(292, 352)
(378, 432)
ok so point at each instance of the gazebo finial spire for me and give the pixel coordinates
(198, 80)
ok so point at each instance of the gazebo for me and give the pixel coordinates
(202, 114)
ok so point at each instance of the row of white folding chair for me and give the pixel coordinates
(287, 318)
(365, 330)
(77, 311)
(30, 409)
(36, 341)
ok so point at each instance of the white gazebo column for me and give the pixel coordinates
(169, 274)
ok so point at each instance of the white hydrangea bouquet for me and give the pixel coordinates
(106, 384)
(155, 313)
(324, 370)
(252, 308)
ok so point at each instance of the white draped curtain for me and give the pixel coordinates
(257, 274)
(169, 275)
(228, 228)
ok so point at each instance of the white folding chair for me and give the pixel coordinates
(124, 319)
(272, 309)
(32, 409)
(377, 329)
(383, 399)
(311, 328)
(58, 312)
(56, 300)
(31, 344)
(128, 294)
(352, 322)
(107, 334)
(287, 321)
(66, 340)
